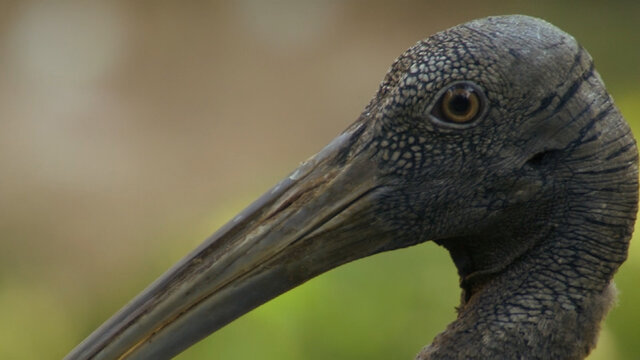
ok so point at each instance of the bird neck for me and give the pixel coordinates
(524, 319)
(549, 300)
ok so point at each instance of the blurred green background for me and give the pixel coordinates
(130, 131)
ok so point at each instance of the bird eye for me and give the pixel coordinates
(460, 104)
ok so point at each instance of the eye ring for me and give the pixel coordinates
(459, 105)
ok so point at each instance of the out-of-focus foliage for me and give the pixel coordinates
(129, 131)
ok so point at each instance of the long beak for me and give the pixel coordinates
(314, 220)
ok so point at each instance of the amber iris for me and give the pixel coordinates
(460, 104)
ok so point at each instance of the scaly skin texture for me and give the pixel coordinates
(535, 202)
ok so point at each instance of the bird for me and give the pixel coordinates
(495, 139)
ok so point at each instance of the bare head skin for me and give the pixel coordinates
(497, 140)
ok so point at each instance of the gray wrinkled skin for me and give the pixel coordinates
(535, 201)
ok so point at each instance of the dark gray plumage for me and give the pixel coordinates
(497, 140)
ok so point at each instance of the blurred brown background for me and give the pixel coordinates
(129, 131)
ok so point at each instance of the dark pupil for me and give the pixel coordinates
(460, 104)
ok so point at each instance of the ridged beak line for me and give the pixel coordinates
(317, 218)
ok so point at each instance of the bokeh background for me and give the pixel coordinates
(131, 130)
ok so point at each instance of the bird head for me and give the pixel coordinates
(480, 138)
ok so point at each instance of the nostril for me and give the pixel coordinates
(542, 157)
